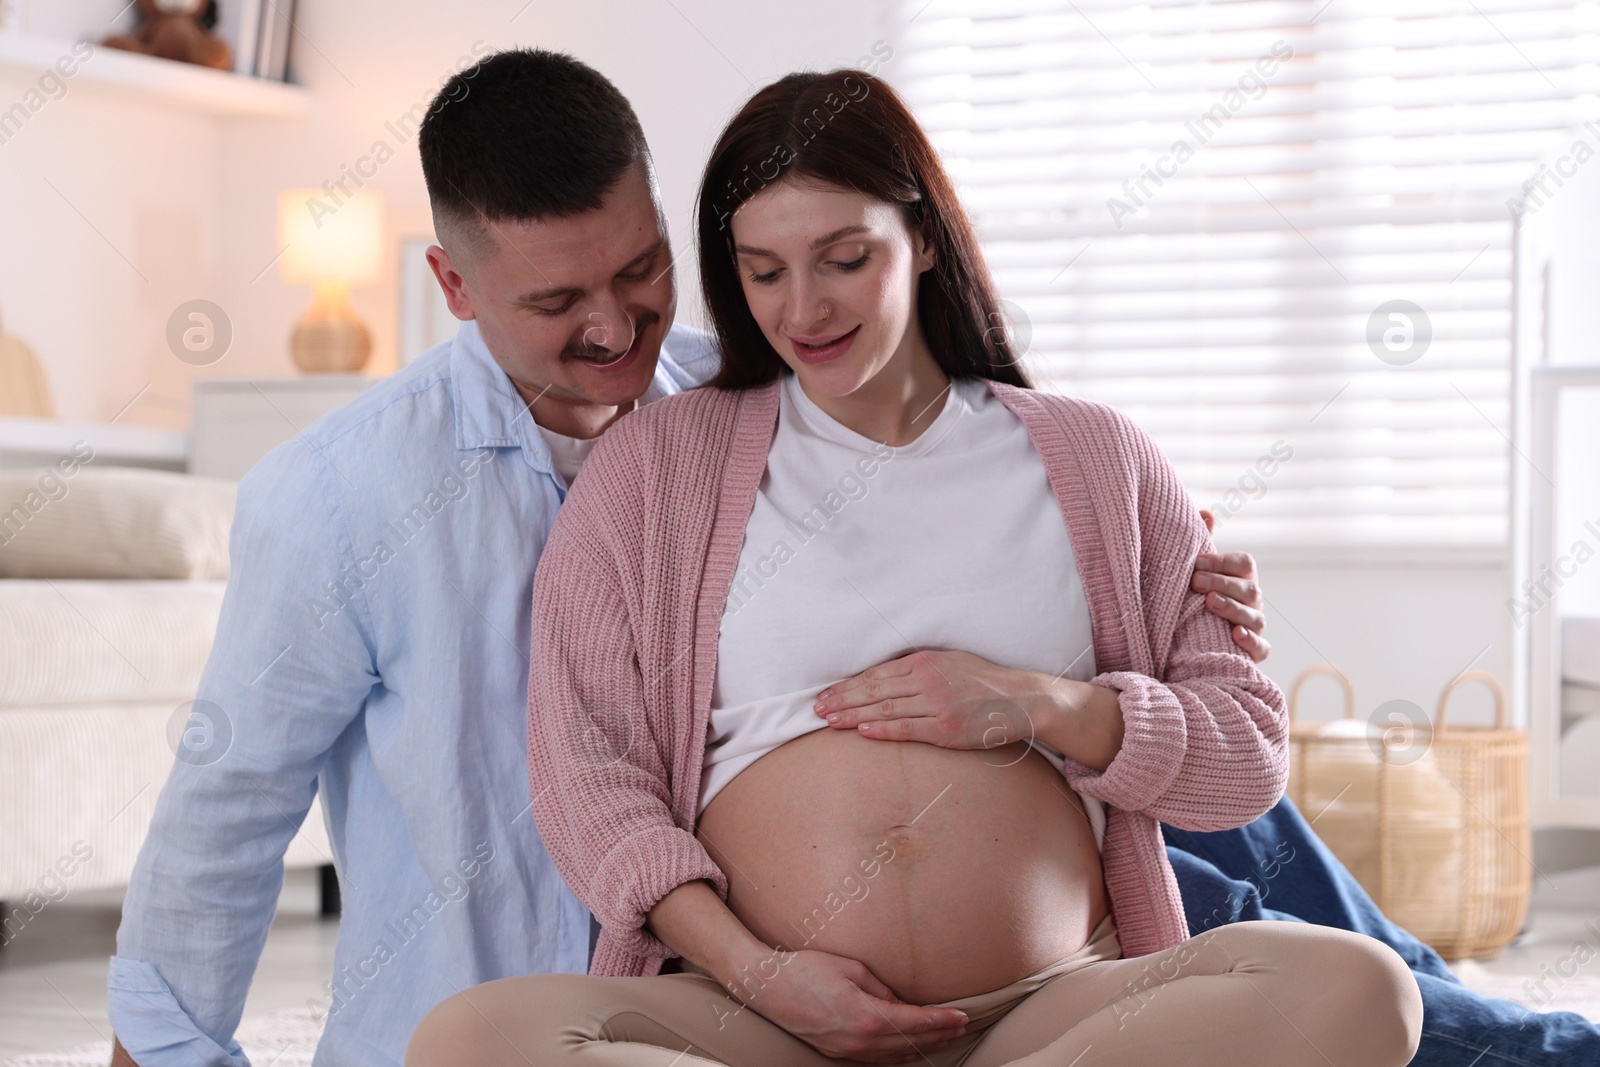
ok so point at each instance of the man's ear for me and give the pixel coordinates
(452, 282)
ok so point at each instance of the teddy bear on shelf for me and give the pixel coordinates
(177, 29)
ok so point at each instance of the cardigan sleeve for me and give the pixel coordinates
(599, 781)
(1205, 733)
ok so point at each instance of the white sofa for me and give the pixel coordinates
(96, 673)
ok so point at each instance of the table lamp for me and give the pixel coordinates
(331, 243)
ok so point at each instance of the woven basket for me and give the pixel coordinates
(1433, 820)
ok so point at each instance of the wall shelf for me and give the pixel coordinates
(183, 84)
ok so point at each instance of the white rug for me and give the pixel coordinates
(288, 1039)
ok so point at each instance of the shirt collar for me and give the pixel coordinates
(490, 413)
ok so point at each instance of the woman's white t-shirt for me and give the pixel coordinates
(856, 553)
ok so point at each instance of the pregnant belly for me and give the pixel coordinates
(946, 872)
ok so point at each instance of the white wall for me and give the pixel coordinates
(1400, 631)
(108, 219)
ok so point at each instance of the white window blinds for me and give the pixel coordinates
(1205, 212)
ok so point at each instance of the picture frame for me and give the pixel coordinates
(425, 318)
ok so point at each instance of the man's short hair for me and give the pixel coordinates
(525, 134)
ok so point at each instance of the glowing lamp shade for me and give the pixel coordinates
(331, 243)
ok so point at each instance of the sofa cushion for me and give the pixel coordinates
(65, 641)
(113, 522)
(78, 787)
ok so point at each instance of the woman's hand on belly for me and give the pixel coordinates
(834, 1003)
(961, 701)
(839, 1007)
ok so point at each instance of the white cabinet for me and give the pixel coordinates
(236, 422)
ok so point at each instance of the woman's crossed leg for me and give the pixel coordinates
(1270, 993)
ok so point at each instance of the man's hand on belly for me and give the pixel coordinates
(1233, 591)
(961, 701)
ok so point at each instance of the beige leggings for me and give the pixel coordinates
(1269, 993)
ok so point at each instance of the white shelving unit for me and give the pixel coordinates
(1553, 713)
(182, 84)
(1555, 482)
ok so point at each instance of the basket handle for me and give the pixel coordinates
(1473, 676)
(1314, 671)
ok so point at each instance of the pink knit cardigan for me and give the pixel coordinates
(628, 604)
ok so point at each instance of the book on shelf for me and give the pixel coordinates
(274, 39)
(240, 24)
(260, 32)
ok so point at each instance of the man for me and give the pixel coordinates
(374, 639)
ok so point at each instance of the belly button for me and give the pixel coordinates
(901, 836)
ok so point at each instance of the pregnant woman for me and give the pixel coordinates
(862, 678)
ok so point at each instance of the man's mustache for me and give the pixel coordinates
(583, 348)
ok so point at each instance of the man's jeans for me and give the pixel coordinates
(1232, 876)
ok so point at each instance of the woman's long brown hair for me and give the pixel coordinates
(850, 129)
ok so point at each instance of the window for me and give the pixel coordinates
(1277, 233)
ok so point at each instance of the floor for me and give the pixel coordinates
(52, 976)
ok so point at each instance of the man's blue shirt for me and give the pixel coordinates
(373, 650)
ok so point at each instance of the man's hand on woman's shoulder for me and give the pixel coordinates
(1233, 591)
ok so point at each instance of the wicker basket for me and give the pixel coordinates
(1433, 823)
